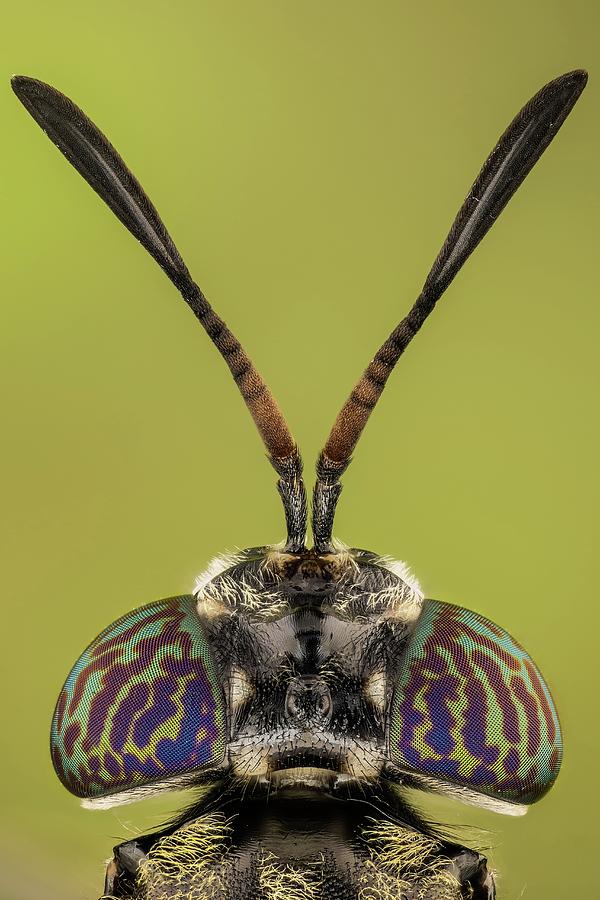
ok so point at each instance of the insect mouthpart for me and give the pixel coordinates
(306, 758)
(304, 770)
(288, 756)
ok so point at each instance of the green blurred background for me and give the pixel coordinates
(308, 159)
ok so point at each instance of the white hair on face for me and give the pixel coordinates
(216, 566)
(402, 570)
(402, 600)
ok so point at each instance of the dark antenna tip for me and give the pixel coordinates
(512, 158)
(97, 161)
(577, 76)
(26, 88)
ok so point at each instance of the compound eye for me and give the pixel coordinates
(470, 708)
(143, 704)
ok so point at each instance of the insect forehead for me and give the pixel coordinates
(308, 570)
(318, 578)
(270, 583)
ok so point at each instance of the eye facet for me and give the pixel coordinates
(470, 707)
(143, 704)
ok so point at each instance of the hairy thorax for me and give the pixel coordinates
(296, 846)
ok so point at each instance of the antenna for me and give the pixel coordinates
(98, 162)
(517, 151)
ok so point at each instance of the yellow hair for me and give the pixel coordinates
(186, 863)
(192, 863)
(401, 859)
(281, 881)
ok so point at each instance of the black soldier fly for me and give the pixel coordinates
(301, 690)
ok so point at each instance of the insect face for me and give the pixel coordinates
(295, 674)
(309, 657)
(265, 669)
(282, 664)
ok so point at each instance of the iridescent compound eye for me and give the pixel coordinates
(143, 704)
(471, 709)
